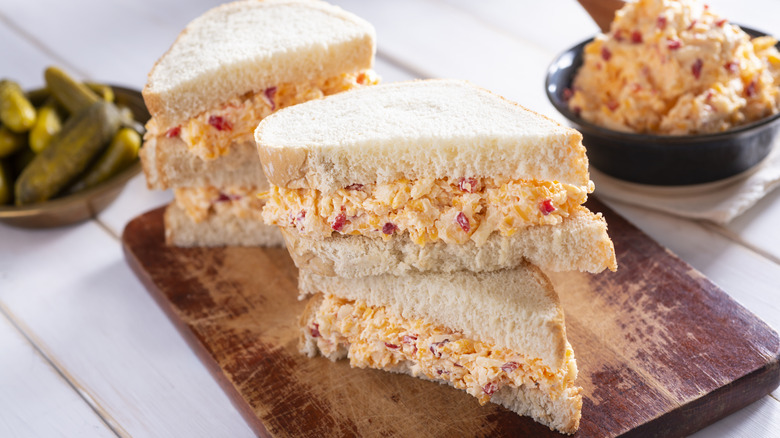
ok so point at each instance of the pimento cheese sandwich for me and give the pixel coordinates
(227, 70)
(434, 175)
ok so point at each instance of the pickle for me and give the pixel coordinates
(47, 124)
(10, 141)
(38, 96)
(6, 183)
(120, 154)
(82, 138)
(16, 112)
(102, 90)
(71, 94)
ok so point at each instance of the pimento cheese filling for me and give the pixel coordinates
(454, 211)
(674, 67)
(209, 135)
(200, 202)
(376, 337)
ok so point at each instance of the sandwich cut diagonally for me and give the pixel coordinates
(446, 175)
(227, 70)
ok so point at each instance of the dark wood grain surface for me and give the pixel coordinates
(661, 350)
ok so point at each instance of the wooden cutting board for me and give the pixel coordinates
(661, 350)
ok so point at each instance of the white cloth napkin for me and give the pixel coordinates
(719, 201)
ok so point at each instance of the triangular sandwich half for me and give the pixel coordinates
(500, 336)
(438, 171)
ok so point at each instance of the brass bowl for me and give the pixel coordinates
(87, 203)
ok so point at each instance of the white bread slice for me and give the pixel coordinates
(219, 229)
(168, 163)
(512, 308)
(430, 128)
(579, 243)
(516, 308)
(250, 45)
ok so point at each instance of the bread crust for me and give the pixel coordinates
(250, 46)
(168, 163)
(579, 243)
(433, 128)
(217, 230)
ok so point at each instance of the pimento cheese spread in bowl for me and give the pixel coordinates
(674, 94)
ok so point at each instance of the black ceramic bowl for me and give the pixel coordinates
(662, 159)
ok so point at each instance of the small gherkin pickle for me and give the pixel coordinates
(82, 138)
(120, 154)
(102, 90)
(71, 94)
(6, 184)
(10, 141)
(46, 126)
(16, 112)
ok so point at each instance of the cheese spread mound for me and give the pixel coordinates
(209, 135)
(200, 202)
(376, 337)
(674, 67)
(428, 209)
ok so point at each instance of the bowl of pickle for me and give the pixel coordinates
(66, 149)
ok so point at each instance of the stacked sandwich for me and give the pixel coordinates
(227, 70)
(420, 214)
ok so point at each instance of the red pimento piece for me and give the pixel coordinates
(269, 94)
(220, 123)
(463, 221)
(297, 220)
(354, 187)
(577, 110)
(173, 132)
(605, 54)
(567, 94)
(732, 66)
(661, 22)
(612, 105)
(636, 37)
(339, 222)
(696, 68)
(224, 197)
(693, 23)
(468, 185)
(457, 365)
(392, 346)
(440, 372)
(389, 228)
(546, 207)
(409, 339)
(750, 90)
(618, 35)
(315, 330)
(509, 367)
(490, 388)
(435, 345)
(720, 22)
(673, 44)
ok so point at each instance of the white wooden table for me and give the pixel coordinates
(84, 351)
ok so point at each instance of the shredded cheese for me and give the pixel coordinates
(675, 67)
(209, 135)
(428, 209)
(378, 338)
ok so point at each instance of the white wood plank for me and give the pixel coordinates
(72, 289)
(111, 41)
(759, 225)
(22, 60)
(134, 200)
(34, 399)
(437, 40)
(759, 420)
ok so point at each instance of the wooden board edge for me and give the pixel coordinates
(716, 405)
(215, 371)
